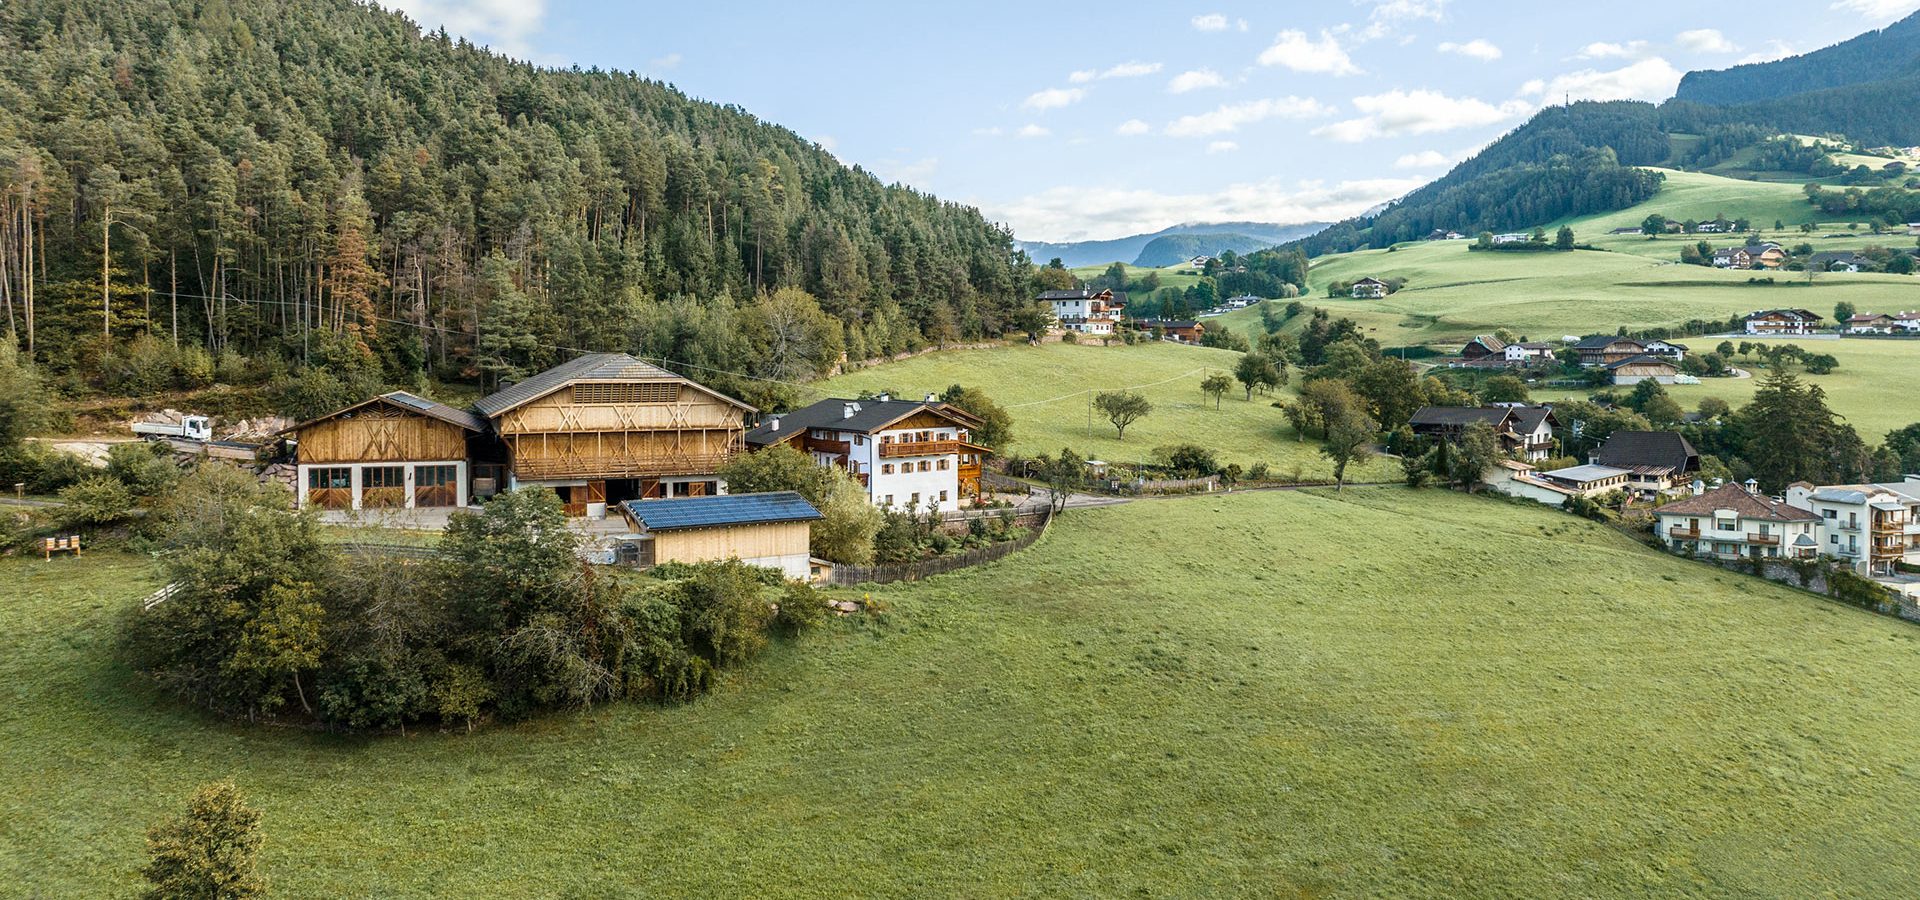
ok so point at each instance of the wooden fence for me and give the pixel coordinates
(848, 576)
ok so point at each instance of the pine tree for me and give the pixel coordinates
(211, 851)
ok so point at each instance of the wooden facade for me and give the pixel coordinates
(396, 451)
(767, 541)
(577, 433)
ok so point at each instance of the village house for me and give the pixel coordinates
(1767, 254)
(1182, 331)
(1485, 346)
(1913, 229)
(1668, 350)
(1783, 321)
(1632, 371)
(1870, 323)
(905, 453)
(1737, 521)
(1602, 350)
(395, 451)
(1526, 431)
(1199, 262)
(1530, 352)
(1732, 258)
(605, 428)
(1874, 527)
(1587, 481)
(1838, 262)
(1518, 479)
(1656, 461)
(772, 530)
(1512, 238)
(1087, 312)
(1369, 289)
(1907, 323)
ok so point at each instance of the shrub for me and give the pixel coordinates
(98, 502)
(210, 851)
(801, 609)
(146, 469)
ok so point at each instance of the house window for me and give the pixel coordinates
(1726, 524)
(383, 477)
(339, 477)
(889, 500)
(941, 465)
(886, 468)
(916, 498)
(859, 440)
(943, 496)
(924, 466)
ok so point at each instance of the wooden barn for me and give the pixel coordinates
(606, 428)
(772, 530)
(395, 451)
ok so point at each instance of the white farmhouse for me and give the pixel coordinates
(1875, 527)
(1087, 312)
(905, 453)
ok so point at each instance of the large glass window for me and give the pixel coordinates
(436, 485)
(383, 487)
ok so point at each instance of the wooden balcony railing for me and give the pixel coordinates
(897, 450)
(1685, 534)
(599, 467)
(1764, 539)
(821, 445)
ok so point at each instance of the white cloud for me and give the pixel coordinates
(1477, 48)
(1075, 213)
(914, 172)
(1123, 70)
(1230, 117)
(1651, 79)
(1769, 52)
(828, 142)
(1705, 40)
(1032, 131)
(1296, 51)
(1210, 22)
(1388, 15)
(1397, 113)
(669, 61)
(1133, 128)
(1053, 98)
(1222, 147)
(1606, 50)
(1880, 11)
(1425, 159)
(506, 25)
(1195, 80)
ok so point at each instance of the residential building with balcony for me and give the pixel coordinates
(1087, 312)
(905, 453)
(1526, 431)
(1875, 527)
(1737, 521)
(1659, 461)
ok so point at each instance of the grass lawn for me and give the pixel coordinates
(1116, 711)
(1049, 389)
(1181, 276)
(1873, 388)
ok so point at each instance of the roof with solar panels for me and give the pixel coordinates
(407, 402)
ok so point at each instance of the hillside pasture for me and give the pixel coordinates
(1181, 277)
(1049, 390)
(1251, 694)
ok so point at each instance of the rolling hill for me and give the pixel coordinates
(1213, 238)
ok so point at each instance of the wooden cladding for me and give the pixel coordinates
(632, 392)
(381, 434)
(898, 449)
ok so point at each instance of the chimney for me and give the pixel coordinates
(1753, 487)
(931, 398)
(883, 398)
(773, 424)
(1699, 487)
(847, 410)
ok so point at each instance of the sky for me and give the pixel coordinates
(1078, 121)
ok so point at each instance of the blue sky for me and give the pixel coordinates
(1073, 121)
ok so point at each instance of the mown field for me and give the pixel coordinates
(1117, 711)
(1050, 389)
(1180, 276)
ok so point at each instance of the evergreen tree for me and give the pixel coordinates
(211, 851)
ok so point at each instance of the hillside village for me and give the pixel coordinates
(405, 448)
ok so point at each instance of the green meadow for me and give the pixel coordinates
(1291, 695)
(1049, 390)
(1180, 276)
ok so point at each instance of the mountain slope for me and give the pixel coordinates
(1093, 253)
(1874, 56)
(1173, 249)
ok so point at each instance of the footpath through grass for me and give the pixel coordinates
(1382, 693)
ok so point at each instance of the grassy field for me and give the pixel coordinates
(1180, 276)
(1873, 388)
(1049, 389)
(1322, 717)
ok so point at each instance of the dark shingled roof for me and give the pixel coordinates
(1603, 341)
(1527, 419)
(721, 510)
(830, 414)
(404, 400)
(1643, 360)
(591, 367)
(1738, 499)
(1069, 295)
(1461, 416)
(1659, 449)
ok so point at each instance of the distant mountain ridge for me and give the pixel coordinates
(1874, 56)
(1210, 240)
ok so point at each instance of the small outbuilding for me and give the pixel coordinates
(771, 530)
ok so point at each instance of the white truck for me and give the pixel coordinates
(189, 428)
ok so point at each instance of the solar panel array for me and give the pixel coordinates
(725, 509)
(405, 399)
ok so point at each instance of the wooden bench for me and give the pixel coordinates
(50, 546)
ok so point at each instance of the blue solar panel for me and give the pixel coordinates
(405, 399)
(727, 509)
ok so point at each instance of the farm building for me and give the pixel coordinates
(606, 427)
(905, 453)
(1523, 430)
(1518, 479)
(1658, 460)
(1629, 372)
(772, 530)
(1530, 351)
(1783, 321)
(1588, 480)
(1485, 346)
(395, 451)
(1603, 350)
(1871, 323)
(1369, 289)
(1184, 331)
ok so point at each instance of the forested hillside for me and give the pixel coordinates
(1172, 249)
(317, 180)
(1874, 56)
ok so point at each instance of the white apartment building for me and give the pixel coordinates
(1873, 526)
(915, 454)
(1087, 312)
(1736, 521)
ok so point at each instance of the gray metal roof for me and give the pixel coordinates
(1587, 473)
(721, 510)
(591, 367)
(831, 414)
